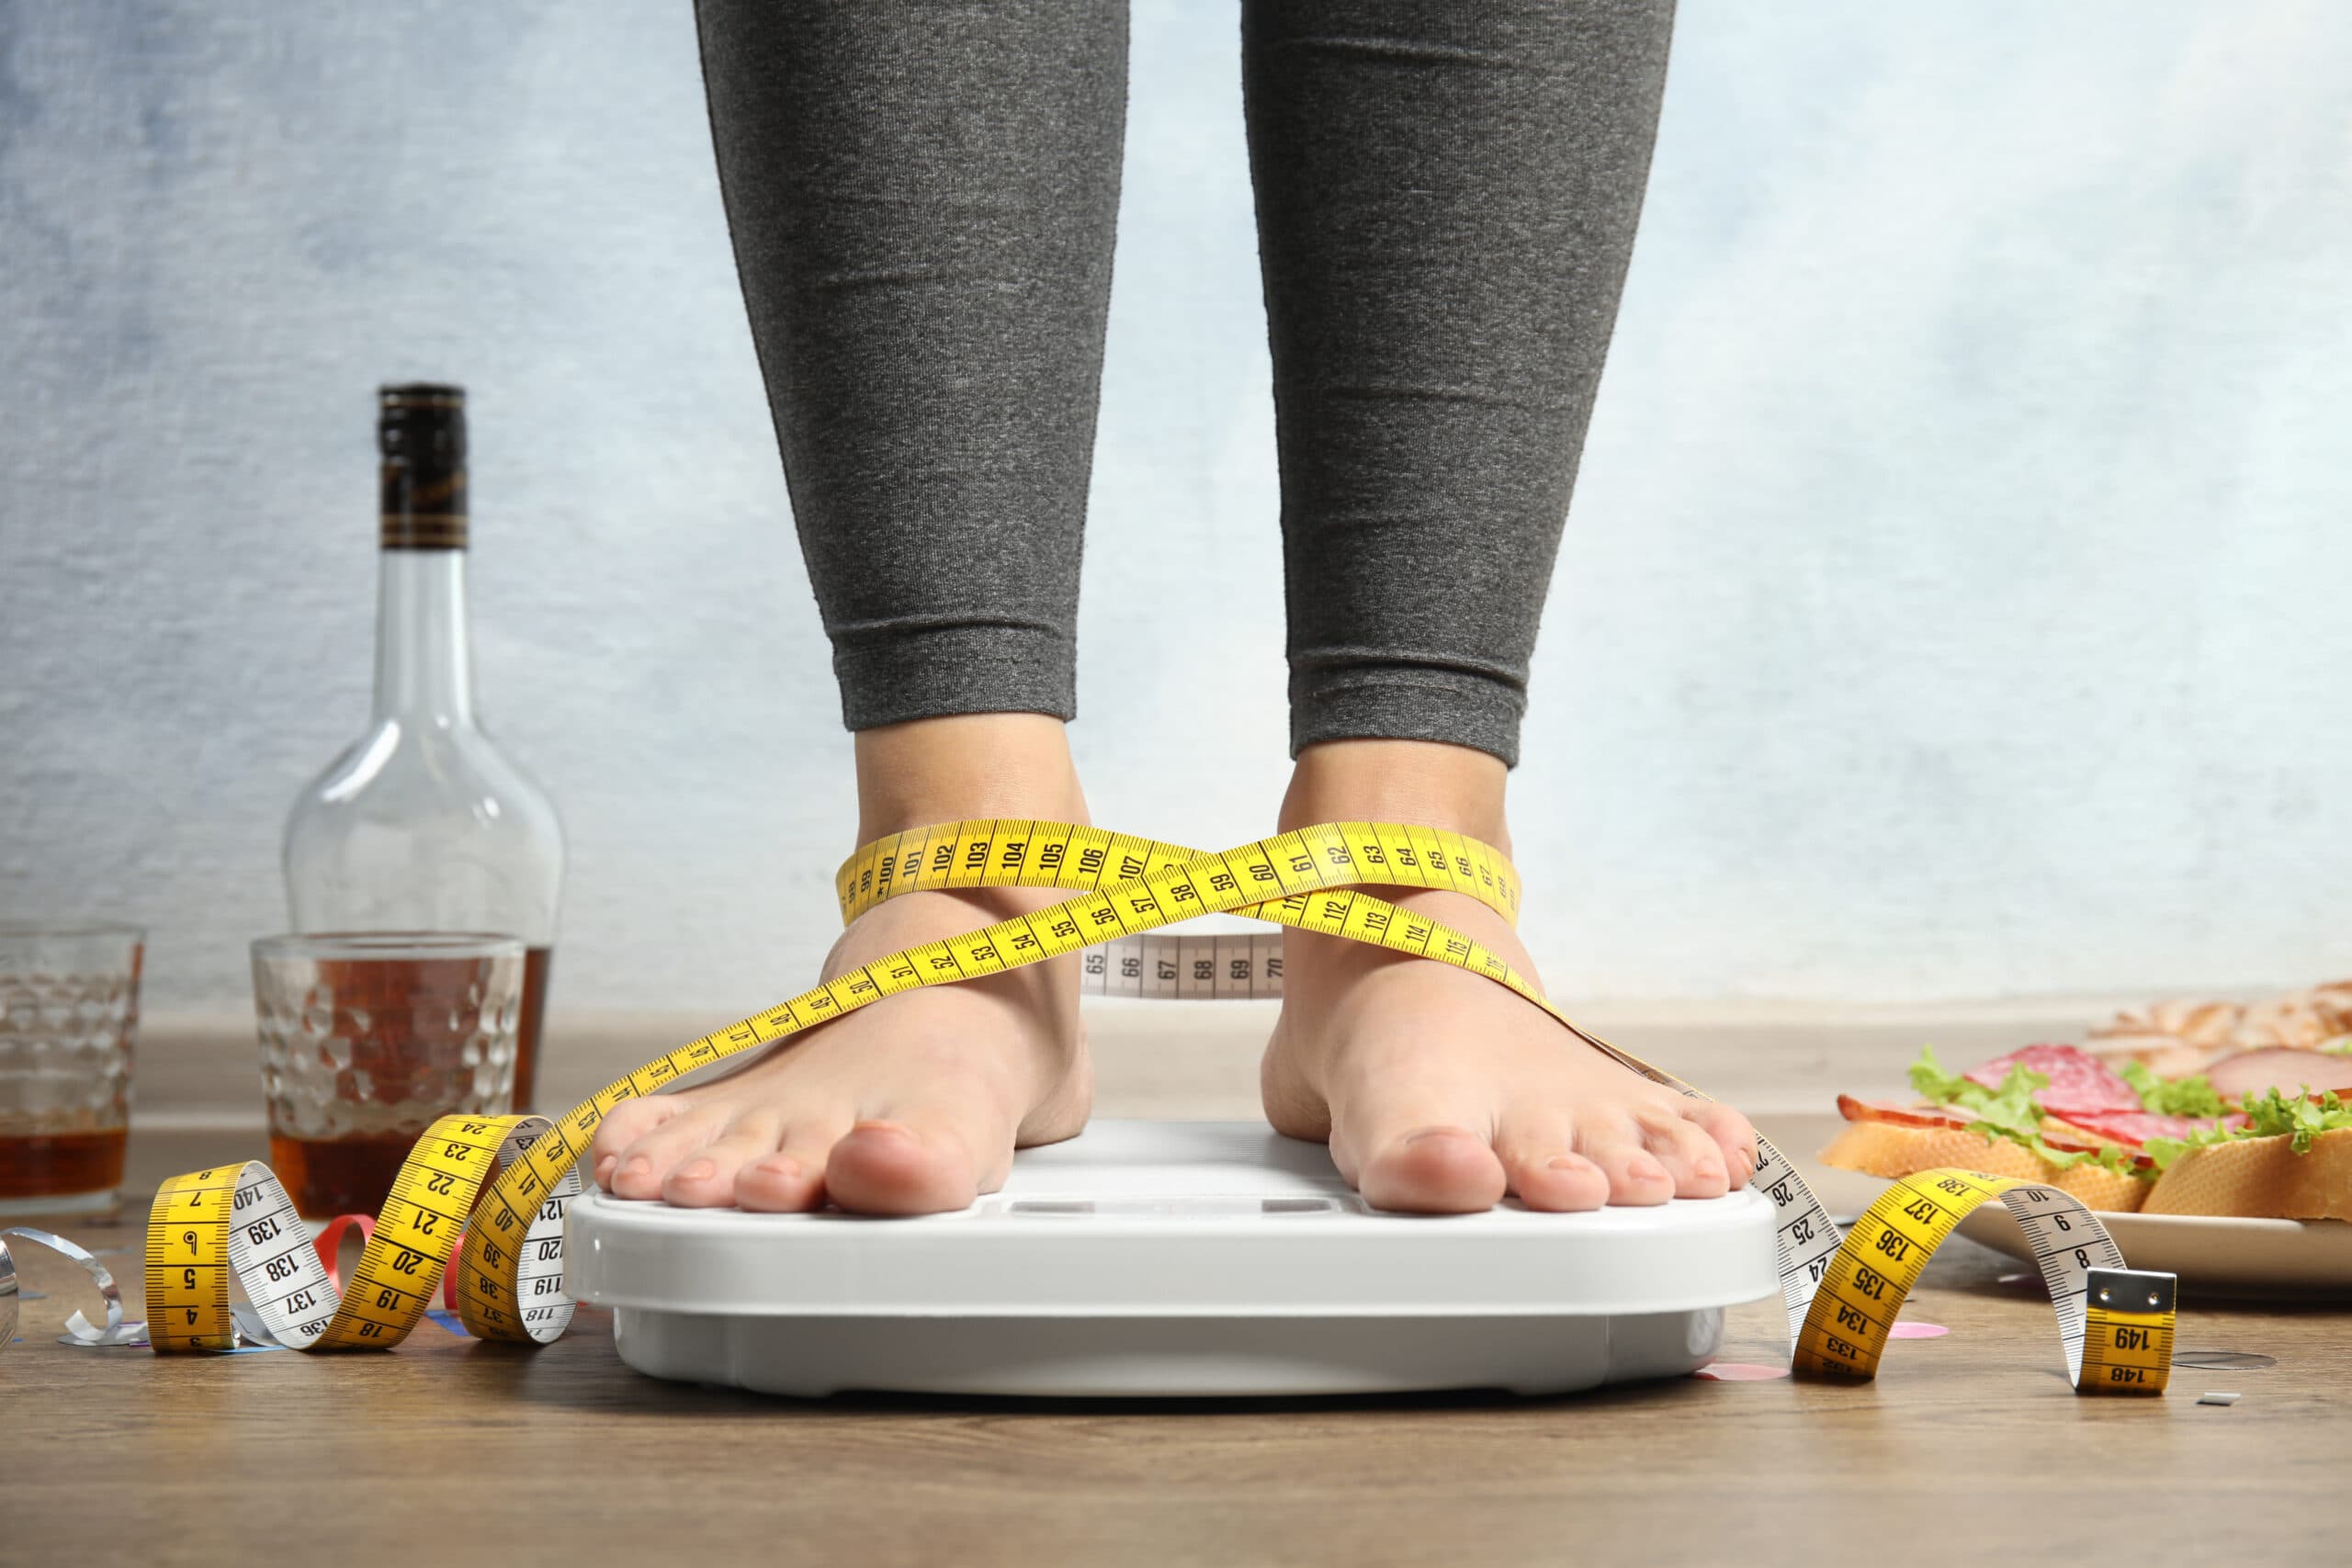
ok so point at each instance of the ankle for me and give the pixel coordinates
(1421, 783)
(966, 765)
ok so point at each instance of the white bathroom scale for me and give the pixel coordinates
(1170, 1259)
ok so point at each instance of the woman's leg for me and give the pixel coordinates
(923, 201)
(1447, 196)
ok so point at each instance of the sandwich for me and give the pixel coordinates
(2262, 1131)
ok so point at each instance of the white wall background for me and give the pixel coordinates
(1954, 606)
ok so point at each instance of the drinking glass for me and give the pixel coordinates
(365, 1037)
(69, 1012)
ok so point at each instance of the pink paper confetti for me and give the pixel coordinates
(1739, 1372)
(1908, 1330)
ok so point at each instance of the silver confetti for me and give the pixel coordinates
(79, 1330)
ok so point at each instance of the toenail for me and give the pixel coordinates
(882, 1127)
(604, 1168)
(700, 1170)
(1566, 1162)
(1411, 1138)
(639, 1165)
(1642, 1167)
(779, 1165)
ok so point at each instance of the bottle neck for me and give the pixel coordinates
(424, 658)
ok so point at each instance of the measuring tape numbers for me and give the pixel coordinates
(211, 1226)
(1841, 1292)
(2115, 1323)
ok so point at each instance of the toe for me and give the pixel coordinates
(707, 1178)
(1733, 1134)
(629, 1122)
(791, 1179)
(901, 1167)
(1545, 1172)
(926, 1152)
(1636, 1176)
(1418, 1143)
(1689, 1156)
(644, 1165)
(1432, 1170)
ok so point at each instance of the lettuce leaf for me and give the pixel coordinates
(1934, 1084)
(2171, 1096)
(2300, 1117)
(2008, 1111)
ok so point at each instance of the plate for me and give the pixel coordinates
(2213, 1257)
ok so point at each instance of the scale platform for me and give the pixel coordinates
(1170, 1258)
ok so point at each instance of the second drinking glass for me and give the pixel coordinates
(366, 1038)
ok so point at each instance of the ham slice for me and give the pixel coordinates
(2279, 1067)
(1902, 1115)
(2078, 1080)
(2133, 1128)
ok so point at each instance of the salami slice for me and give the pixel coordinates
(2133, 1128)
(2279, 1067)
(2130, 1127)
(2078, 1080)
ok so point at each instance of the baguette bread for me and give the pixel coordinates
(2253, 1179)
(2260, 1179)
(1886, 1150)
(1988, 1119)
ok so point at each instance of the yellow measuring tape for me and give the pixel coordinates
(1842, 1293)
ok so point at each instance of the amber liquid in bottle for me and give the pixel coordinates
(407, 1043)
(339, 1176)
(329, 1176)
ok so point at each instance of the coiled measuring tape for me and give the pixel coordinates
(1842, 1292)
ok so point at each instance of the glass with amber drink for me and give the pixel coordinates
(366, 1038)
(69, 1016)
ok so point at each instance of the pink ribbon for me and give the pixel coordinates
(331, 1242)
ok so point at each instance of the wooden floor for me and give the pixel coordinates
(450, 1451)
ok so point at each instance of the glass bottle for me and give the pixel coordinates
(424, 823)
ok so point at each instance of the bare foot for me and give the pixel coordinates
(1439, 1090)
(916, 1103)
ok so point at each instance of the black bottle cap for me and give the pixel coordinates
(420, 430)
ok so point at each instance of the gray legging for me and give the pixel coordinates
(922, 199)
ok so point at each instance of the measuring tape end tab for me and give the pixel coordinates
(2139, 1291)
(2127, 1331)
